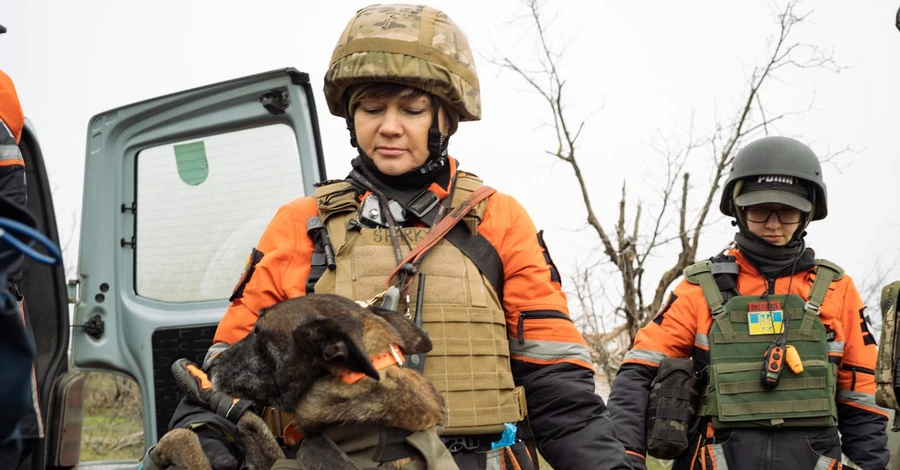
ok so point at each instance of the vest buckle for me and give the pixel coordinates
(457, 443)
(422, 204)
(811, 306)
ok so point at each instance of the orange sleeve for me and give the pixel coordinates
(674, 330)
(280, 274)
(10, 108)
(856, 373)
(528, 284)
(537, 313)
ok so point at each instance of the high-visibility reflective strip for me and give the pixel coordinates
(644, 356)
(863, 399)
(826, 463)
(701, 340)
(717, 457)
(493, 461)
(835, 348)
(6, 135)
(549, 351)
(9, 151)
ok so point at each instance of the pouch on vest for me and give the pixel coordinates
(672, 409)
(887, 368)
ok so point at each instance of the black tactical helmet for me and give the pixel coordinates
(777, 161)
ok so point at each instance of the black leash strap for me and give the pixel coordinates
(482, 254)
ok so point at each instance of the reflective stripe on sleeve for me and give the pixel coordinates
(550, 352)
(865, 401)
(643, 356)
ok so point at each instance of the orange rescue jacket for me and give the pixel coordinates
(687, 321)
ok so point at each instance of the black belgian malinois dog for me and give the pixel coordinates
(329, 361)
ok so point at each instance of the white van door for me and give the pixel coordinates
(177, 191)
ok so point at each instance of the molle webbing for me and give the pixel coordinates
(735, 396)
(461, 312)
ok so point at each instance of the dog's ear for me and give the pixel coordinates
(415, 340)
(336, 342)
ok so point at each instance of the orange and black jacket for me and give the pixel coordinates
(552, 362)
(12, 166)
(681, 327)
(12, 186)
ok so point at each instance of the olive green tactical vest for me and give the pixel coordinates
(741, 332)
(465, 321)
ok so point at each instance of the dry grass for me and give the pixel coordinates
(113, 428)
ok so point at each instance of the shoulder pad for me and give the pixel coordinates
(691, 272)
(327, 182)
(468, 182)
(718, 265)
(326, 188)
(824, 263)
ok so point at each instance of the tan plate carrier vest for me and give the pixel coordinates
(465, 321)
(735, 397)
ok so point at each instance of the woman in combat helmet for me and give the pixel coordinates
(403, 77)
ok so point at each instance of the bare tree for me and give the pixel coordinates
(683, 210)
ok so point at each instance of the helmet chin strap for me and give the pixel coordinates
(437, 143)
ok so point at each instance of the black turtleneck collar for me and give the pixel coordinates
(416, 179)
(775, 261)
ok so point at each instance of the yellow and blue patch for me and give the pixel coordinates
(765, 322)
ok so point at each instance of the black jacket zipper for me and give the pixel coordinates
(854, 370)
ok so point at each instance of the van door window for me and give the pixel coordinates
(202, 204)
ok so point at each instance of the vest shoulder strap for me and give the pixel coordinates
(469, 241)
(335, 196)
(824, 263)
(826, 273)
(466, 184)
(716, 279)
(701, 273)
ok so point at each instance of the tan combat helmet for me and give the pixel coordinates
(412, 45)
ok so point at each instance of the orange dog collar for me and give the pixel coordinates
(380, 361)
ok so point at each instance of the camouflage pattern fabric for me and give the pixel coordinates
(672, 409)
(884, 368)
(411, 45)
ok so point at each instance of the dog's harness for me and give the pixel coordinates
(380, 361)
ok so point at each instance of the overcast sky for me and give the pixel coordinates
(636, 71)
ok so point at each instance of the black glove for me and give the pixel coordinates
(212, 415)
(217, 451)
(196, 386)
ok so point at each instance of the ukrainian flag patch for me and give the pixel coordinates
(765, 322)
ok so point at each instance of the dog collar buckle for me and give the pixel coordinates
(395, 351)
